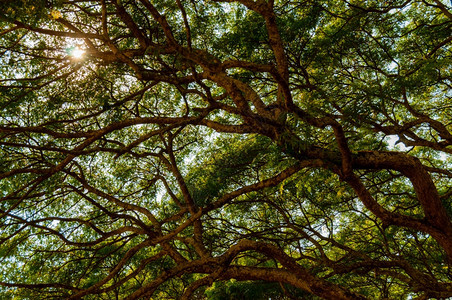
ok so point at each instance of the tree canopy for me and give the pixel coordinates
(225, 149)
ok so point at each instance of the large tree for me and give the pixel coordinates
(225, 149)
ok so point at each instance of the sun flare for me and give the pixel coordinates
(77, 53)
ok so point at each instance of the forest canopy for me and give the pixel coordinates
(222, 149)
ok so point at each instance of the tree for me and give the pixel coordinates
(225, 149)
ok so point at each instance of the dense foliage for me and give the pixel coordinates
(225, 149)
